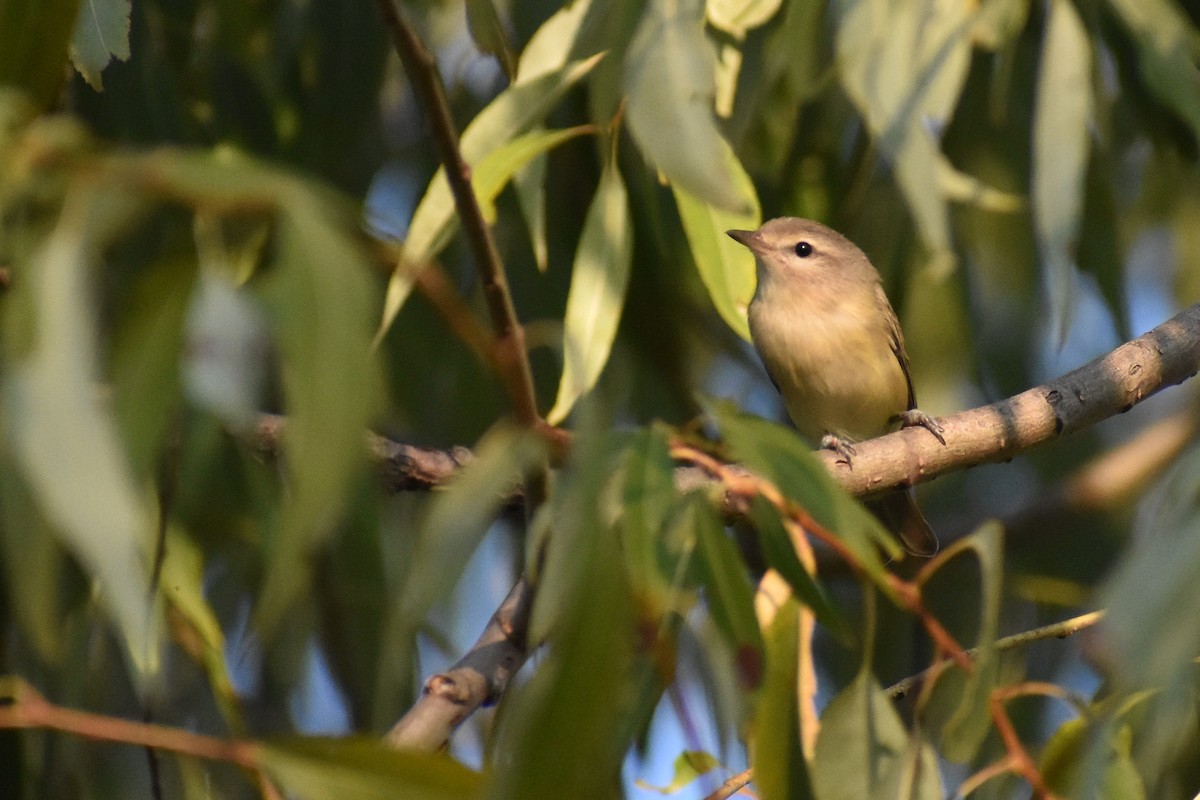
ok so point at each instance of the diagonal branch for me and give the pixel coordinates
(511, 358)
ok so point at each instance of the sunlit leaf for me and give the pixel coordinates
(498, 168)
(736, 17)
(364, 769)
(182, 581)
(669, 82)
(550, 46)
(780, 769)
(530, 185)
(1070, 768)
(1060, 153)
(726, 267)
(66, 439)
(101, 34)
(514, 111)
(689, 765)
(597, 295)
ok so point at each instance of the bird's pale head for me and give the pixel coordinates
(791, 250)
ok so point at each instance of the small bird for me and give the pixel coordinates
(833, 347)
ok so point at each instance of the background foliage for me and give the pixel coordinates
(211, 209)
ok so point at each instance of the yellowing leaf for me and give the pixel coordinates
(597, 293)
(726, 267)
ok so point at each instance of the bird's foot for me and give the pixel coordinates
(843, 447)
(916, 418)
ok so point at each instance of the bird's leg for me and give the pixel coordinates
(843, 447)
(916, 418)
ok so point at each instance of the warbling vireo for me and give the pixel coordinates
(833, 347)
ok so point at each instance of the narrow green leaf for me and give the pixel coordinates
(66, 440)
(101, 34)
(34, 37)
(597, 295)
(781, 555)
(1062, 114)
(33, 563)
(498, 168)
(779, 455)
(551, 44)
(530, 185)
(319, 298)
(183, 583)
(364, 769)
(1168, 45)
(655, 566)
(726, 267)
(487, 29)
(964, 188)
(777, 756)
(514, 111)
(669, 83)
(727, 587)
(970, 723)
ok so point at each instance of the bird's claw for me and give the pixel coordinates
(916, 418)
(842, 447)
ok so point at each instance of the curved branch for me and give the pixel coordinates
(1110, 385)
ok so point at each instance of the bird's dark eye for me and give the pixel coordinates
(804, 249)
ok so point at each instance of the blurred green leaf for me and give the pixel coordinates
(1060, 154)
(864, 751)
(66, 441)
(726, 267)
(963, 188)
(530, 185)
(582, 683)
(727, 588)
(1070, 769)
(780, 456)
(33, 564)
(319, 298)
(655, 565)
(101, 34)
(1168, 45)
(597, 296)
(780, 769)
(487, 29)
(965, 731)
(461, 514)
(34, 35)
(777, 549)
(689, 765)
(669, 83)
(364, 769)
(904, 67)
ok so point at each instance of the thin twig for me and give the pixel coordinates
(1057, 630)
(426, 82)
(732, 785)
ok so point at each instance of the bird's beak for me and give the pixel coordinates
(749, 239)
